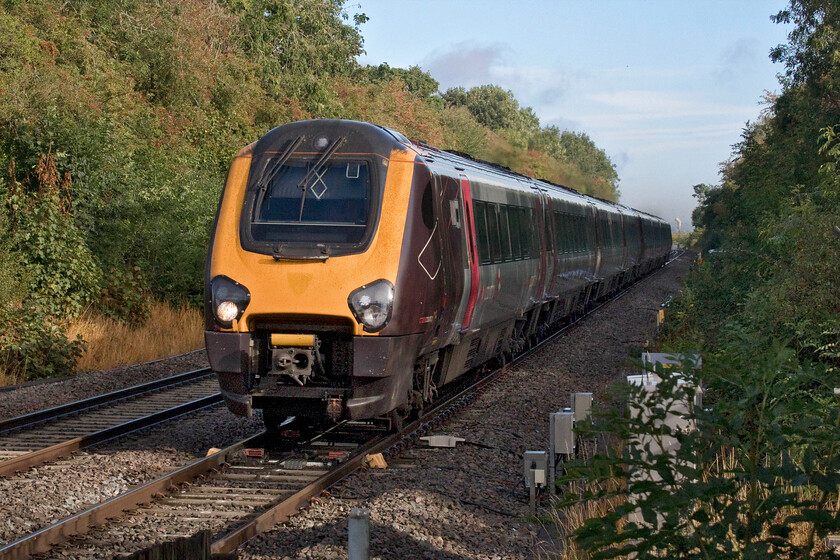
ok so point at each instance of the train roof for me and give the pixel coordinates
(465, 161)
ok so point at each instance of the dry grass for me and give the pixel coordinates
(7, 378)
(568, 519)
(110, 343)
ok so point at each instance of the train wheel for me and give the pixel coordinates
(397, 420)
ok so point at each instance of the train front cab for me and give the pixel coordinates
(301, 306)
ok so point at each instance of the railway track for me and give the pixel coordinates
(30, 440)
(247, 488)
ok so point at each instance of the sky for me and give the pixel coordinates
(665, 88)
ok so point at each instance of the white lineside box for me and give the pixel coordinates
(680, 415)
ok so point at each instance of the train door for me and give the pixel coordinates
(455, 241)
(552, 264)
(539, 292)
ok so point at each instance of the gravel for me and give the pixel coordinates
(467, 502)
(41, 496)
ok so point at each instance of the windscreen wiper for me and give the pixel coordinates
(266, 178)
(325, 157)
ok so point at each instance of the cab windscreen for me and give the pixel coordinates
(302, 203)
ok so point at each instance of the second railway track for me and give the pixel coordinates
(33, 439)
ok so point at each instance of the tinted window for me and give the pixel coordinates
(427, 207)
(605, 231)
(332, 206)
(507, 251)
(515, 239)
(547, 230)
(493, 230)
(525, 231)
(481, 232)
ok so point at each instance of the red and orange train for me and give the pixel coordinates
(352, 272)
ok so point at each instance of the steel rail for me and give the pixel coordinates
(40, 456)
(80, 523)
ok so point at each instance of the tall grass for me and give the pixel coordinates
(571, 517)
(9, 378)
(110, 343)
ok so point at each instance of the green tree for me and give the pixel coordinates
(418, 82)
(498, 110)
(813, 48)
(492, 106)
(579, 149)
(297, 45)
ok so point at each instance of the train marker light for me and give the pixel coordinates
(230, 298)
(227, 311)
(372, 304)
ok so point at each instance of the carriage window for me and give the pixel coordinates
(549, 238)
(525, 231)
(560, 232)
(481, 232)
(564, 232)
(507, 252)
(515, 238)
(604, 231)
(578, 234)
(572, 233)
(493, 230)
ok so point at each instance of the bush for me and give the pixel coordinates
(36, 347)
(64, 277)
(758, 478)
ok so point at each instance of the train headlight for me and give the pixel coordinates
(230, 298)
(372, 304)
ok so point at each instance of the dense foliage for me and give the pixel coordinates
(758, 478)
(131, 110)
(774, 268)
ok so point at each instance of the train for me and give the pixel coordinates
(353, 272)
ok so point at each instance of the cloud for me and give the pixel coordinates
(646, 105)
(466, 64)
(737, 61)
(551, 95)
(621, 160)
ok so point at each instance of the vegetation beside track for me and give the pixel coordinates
(759, 477)
(111, 343)
(118, 121)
